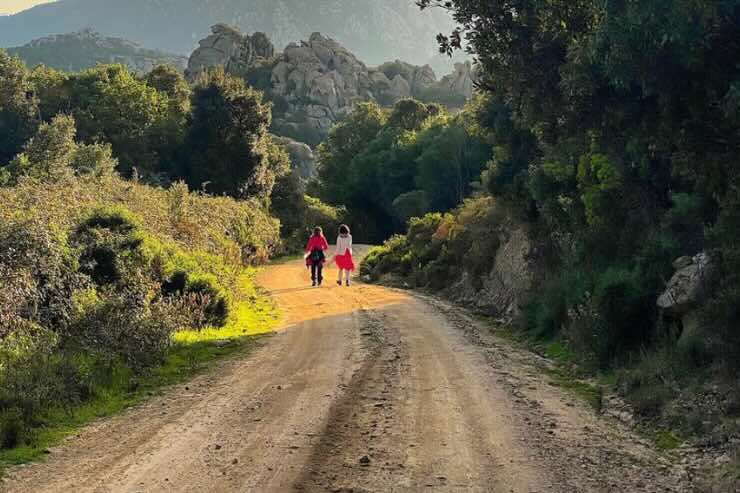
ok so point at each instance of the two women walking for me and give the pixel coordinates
(316, 257)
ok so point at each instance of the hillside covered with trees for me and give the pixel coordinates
(133, 210)
(87, 48)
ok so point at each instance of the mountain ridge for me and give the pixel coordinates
(84, 49)
(377, 31)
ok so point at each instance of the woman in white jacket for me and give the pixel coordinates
(343, 254)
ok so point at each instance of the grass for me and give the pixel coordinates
(592, 394)
(254, 316)
(666, 440)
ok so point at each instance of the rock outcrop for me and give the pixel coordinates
(461, 81)
(690, 286)
(317, 82)
(228, 48)
(507, 287)
(301, 156)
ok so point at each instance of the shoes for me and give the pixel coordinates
(313, 283)
(339, 283)
(347, 282)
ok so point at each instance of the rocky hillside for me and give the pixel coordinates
(315, 83)
(377, 31)
(86, 48)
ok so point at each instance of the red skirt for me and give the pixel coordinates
(345, 261)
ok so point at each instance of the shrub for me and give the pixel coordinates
(211, 296)
(39, 275)
(438, 247)
(127, 325)
(110, 243)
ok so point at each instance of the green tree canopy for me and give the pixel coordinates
(18, 107)
(229, 148)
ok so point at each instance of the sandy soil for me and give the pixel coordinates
(363, 389)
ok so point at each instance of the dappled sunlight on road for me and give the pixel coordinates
(290, 285)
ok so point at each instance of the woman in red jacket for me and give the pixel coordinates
(315, 257)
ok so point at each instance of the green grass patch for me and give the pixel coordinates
(666, 440)
(253, 317)
(592, 394)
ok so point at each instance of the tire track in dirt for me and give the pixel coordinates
(359, 432)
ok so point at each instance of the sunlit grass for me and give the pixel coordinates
(252, 314)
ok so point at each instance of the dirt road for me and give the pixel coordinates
(364, 389)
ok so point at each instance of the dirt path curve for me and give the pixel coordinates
(364, 389)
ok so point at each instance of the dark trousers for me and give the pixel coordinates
(317, 272)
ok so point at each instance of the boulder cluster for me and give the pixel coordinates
(315, 83)
(228, 48)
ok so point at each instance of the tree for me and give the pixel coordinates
(386, 168)
(110, 105)
(167, 135)
(410, 114)
(168, 80)
(52, 155)
(229, 148)
(52, 91)
(451, 159)
(18, 107)
(346, 139)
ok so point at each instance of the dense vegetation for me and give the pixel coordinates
(387, 166)
(615, 136)
(115, 275)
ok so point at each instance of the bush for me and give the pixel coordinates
(92, 292)
(126, 325)
(306, 214)
(39, 275)
(211, 296)
(110, 241)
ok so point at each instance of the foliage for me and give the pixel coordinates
(52, 154)
(18, 107)
(438, 248)
(386, 167)
(111, 105)
(300, 213)
(87, 300)
(229, 149)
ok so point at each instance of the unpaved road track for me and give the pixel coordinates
(412, 385)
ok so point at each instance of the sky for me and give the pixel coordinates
(13, 6)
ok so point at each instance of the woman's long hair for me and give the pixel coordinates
(343, 229)
(317, 231)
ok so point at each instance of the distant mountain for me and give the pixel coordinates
(376, 30)
(84, 49)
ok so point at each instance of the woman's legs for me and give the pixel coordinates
(339, 280)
